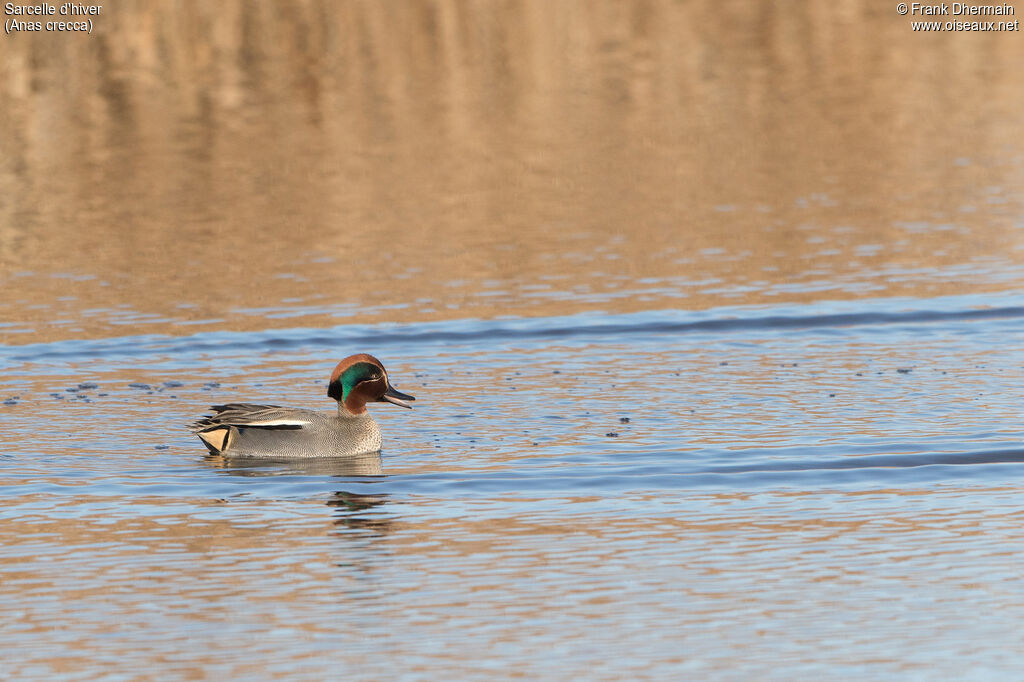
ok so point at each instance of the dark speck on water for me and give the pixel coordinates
(624, 420)
(612, 434)
(904, 370)
(141, 387)
(88, 385)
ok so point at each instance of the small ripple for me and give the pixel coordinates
(829, 318)
(658, 474)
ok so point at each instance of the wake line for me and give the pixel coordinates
(1015, 455)
(464, 331)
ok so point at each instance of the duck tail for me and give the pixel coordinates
(217, 438)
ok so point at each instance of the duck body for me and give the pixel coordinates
(269, 431)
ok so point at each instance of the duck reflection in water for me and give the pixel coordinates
(350, 507)
(368, 464)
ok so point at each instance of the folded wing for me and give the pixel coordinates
(219, 429)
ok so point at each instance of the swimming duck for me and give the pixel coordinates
(247, 430)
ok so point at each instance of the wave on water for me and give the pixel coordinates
(828, 318)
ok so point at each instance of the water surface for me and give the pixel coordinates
(713, 313)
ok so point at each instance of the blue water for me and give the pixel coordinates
(666, 492)
(849, 394)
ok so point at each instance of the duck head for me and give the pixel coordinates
(361, 379)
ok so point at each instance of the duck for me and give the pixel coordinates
(270, 431)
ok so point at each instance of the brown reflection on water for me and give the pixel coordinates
(431, 160)
(136, 587)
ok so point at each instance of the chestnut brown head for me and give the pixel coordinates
(360, 379)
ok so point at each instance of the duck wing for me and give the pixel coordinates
(220, 430)
(253, 416)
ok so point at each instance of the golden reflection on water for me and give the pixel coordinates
(428, 160)
(361, 590)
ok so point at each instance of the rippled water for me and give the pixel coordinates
(713, 312)
(787, 477)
